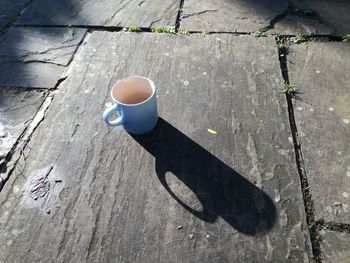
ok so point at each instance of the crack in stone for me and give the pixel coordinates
(275, 20)
(155, 21)
(141, 3)
(22, 142)
(199, 13)
(4, 30)
(116, 12)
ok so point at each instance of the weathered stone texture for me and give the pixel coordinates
(101, 13)
(36, 57)
(335, 247)
(320, 71)
(95, 193)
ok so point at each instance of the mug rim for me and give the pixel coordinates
(132, 77)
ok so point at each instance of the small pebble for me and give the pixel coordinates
(348, 173)
(346, 195)
(186, 83)
(299, 108)
(167, 92)
(317, 71)
(191, 236)
(290, 139)
(311, 109)
(339, 152)
(346, 121)
(86, 91)
(204, 73)
(179, 227)
(331, 109)
(48, 211)
(207, 236)
(108, 104)
(167, 54)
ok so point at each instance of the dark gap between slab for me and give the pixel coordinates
(338, 227)
(314, 37)
(305, 188)
(105, 28)
(179, 13)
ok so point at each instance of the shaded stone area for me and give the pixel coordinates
(234, 15)
(17, 109)
(178, 194)
(299, 24)
(36, 57)
(335, 246)
(320, 72)
(9, 10)
(101, 13)
(315, 17)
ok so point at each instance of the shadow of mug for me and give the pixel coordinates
(221, 190)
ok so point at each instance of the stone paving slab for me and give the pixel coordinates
(294, 24)
(96, 193)
(101, 13)
(9, 10)
(36, 57)
(335, 247)
(315, 17)
(230, 16)
(334, 14)
(17, 108)
(321, 72)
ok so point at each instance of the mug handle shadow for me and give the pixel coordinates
(200, 214)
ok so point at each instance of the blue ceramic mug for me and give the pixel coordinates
(134, 100)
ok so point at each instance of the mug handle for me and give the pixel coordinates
(109, 111)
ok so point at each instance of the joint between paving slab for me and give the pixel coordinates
(308, 203)
(178, 17)
(332, 226)
(92, 28)
(104, 28)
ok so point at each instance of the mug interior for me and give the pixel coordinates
(132, 90)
